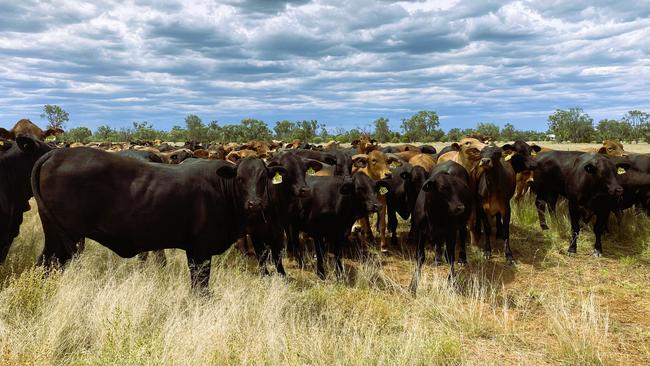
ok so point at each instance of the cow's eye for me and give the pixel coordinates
(374, 161)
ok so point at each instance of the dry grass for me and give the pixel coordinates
(549, 309)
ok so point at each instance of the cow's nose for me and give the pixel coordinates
(616, 190)
(376, 207)
(304, 190)
(485, 162)
(388, 175)
(253, 204)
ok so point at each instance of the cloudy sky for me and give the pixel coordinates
(344, 63)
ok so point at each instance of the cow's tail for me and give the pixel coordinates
(43, 210)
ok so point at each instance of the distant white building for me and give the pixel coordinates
(550, 136)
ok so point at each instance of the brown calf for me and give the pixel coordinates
(25, 127)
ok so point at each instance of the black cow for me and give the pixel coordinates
(427, 149)
(549, 180)
(639, 197)
(405, 183)
(16, 161)
(141, 155)
(283, 212)
(333, 206)
(130, 206)
(441, 212)
(592, 187)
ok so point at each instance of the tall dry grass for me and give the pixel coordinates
(103, 309)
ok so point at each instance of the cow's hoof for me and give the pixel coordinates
(437, 261)
(462, 262)
(385, 252)
(543, 226)
(597, 253)
(487, 254)
(510, 261)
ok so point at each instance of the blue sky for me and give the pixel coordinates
(344, 63)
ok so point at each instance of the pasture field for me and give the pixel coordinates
(551, 308)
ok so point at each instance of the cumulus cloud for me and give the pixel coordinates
(344, 63)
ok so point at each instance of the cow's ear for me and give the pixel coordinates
(382, 187)
(392, 158)
(590, 168)
(278, 169)
(354, 143)
(315, 165)
(360, 160)
(428, 186)
(9, 135)
(455, 146)
(347, 187)
(26, 144)
(506, 147)
(5, 145)
(53, 132)
(227, 172)
(536, 148)
(602, 150)
(624, 166)
(233, 156)
(473, 153)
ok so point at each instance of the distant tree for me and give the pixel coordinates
(305, 130)
(178, 134)
(283, 130)
(55, 115)
(489, 130)
(78, 134)
(232, 133)
(382, 131)
(422, 126)
(508, 132)
(613, 129)
(571, 125)
(196, 130)
(105, 133)
(254, 129)
(640, 123)
(213, 132)
(453, 135)
(144, 131)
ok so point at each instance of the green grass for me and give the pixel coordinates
(548, 309)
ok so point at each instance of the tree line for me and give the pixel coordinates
(571, 125)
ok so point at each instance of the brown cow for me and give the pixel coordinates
(365, 144)
(376, 165)
(234, 156)
(25, 127)
(468, 154)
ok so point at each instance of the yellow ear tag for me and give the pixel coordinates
(620, 171)
(533, 153)
(311, 171)
(2, 143)
(508, 157)
(50, 138)
(277, 178)
(383, 190)
(394, 165)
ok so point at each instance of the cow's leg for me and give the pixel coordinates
(381, 221)
(599, 226)
(541, 206)
(574, 215)
(506, 235)
(499, 227)
(367, 231)
(320, 253)
(472, 224)
(392, 226)
(199, 266)
(262, 252)
(338, 252)
(437, 247)
(462, 237)
(450, 253)
(487, 249)
(277, 243)
(295, 247)
(419, 260)
(57, 248)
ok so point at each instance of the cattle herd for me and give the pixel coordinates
(146, 196)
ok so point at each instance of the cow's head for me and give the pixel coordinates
(520, 155)
(612, 148)
(179, 156)
(252, 179)
(375, 164)
(446, 192)
(602, 171)
(297, 168)
(17, 159)
(363, 191)
(27, 128)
